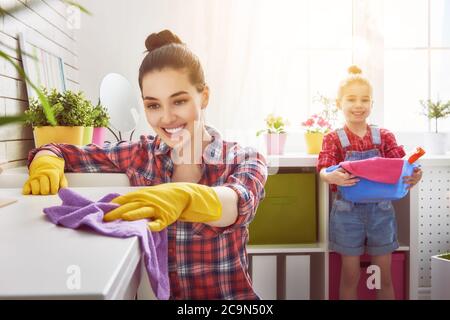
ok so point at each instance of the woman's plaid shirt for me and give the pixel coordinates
(204, 262)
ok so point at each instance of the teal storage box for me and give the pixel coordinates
(287, 215)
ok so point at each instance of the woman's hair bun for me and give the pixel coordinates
(162, 38)
(354, 70)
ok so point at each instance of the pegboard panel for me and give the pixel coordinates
(434, 218)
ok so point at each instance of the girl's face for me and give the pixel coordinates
(356, 103)
(173, 106)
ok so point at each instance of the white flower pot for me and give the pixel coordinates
(440, 278)
(435, 143)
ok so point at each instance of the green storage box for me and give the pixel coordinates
(287, 215)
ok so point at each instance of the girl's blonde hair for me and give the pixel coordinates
(354, 76)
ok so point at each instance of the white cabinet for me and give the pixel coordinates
(264, 276)
(297, 277)
(281, 276)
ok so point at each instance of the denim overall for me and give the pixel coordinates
(354, 226)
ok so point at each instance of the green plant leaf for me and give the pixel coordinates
(45, 105)
(12, 119)
(435, 110)
(79, 6)
(259, 132)
(42, 98)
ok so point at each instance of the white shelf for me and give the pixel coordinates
(286, 248)
(295, 248)
(310, 160)
(292, 160)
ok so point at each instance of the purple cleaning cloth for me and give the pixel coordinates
(76, 211)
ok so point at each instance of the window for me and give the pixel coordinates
(416, 61)
(276, 56)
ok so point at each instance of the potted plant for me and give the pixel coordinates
(435, 142)
(71, 111)
(440, 277)
(101, 122)
(89, 118)
(275, 134)
(316, 127)
(329, 111)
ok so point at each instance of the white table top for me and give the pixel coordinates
(35, 254)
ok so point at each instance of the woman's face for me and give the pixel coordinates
(173, 106)
(356, 103)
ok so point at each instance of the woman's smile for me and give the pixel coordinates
(174, 131)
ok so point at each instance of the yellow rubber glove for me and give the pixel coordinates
(166, 203)
(46, 176)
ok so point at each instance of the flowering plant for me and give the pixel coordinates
(316, 124)
(275, 124)
(329, 109)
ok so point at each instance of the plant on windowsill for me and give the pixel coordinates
(275, 134)
(435, 142)
(101, 123)
(329, 111)
(73, 114)
(315, 128)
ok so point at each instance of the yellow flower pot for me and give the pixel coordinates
(58, 134)
(313, 142)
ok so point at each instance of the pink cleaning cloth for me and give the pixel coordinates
(384, 170)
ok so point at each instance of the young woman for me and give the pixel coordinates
(203, 189)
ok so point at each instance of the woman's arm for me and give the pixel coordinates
(245, 190)
(44, 153)
(91, 158)
(229, 200)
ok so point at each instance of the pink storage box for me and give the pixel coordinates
(364, 293)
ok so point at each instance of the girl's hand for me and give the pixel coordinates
(414, 179)
(341, 178)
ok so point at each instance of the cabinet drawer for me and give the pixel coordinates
(287, 214)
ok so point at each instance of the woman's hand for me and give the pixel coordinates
(46, 176)
(414, 178)
(166, 203)
(341, 178)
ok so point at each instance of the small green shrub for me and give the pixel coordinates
(70, 109)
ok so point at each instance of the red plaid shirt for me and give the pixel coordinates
(204, 262)
(332, 152)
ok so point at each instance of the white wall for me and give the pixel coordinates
(112, 40)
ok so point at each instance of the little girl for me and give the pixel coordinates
(206, 200)
(354, 226)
